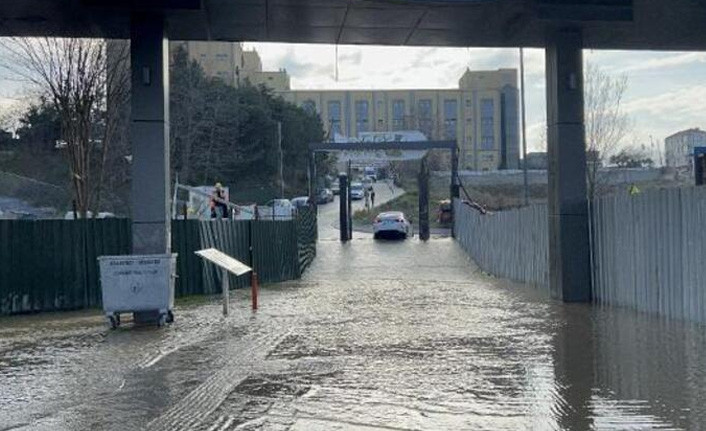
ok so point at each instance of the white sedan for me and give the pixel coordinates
(392, 224)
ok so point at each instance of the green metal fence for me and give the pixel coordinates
(50, 265)
(307, 235)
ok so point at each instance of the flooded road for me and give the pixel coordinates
(329, 213)
(377, 336)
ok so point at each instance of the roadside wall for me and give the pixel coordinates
(649, 250)
(610, 176)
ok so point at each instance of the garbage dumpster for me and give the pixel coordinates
(138, 284)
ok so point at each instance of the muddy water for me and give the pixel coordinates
(378, 335)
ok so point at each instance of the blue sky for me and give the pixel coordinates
(666, 90)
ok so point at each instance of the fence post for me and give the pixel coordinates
(225, 287)
(254, 287)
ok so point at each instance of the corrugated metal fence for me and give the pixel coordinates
(511, 244)
(307, 235)
(649, 250)
(51, 264)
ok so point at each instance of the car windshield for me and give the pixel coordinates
(390, 215)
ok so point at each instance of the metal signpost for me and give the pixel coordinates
(228, 264)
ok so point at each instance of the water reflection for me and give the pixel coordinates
(616, 369)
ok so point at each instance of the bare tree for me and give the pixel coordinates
(607, 124)
(75, 76)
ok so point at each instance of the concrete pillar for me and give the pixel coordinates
(569, 254)
(423, 182)
(343, 201)
(149, 131)
(455, 181)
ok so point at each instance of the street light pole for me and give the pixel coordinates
(524, 125)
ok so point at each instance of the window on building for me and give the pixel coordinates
(425, 117)
(398, 115)
(309, 106)
(487, 124)
(450, 113)
(334, 117)
(361, 115)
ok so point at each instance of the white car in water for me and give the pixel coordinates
(392, 224)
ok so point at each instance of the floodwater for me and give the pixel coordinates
(376, 336)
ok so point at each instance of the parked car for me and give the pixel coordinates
(335, 187)
(357, 191)
(445, 212)
(392, 224)
(69, 215)
(324, 196)
(277, 209)
(300, 201)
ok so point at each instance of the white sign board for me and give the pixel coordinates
(224, 261)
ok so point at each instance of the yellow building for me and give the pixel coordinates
(481, 115)
(230, 63)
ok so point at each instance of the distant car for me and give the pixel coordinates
(277, 209)
(301, 201)
(392, 224)
(69, 215)
(357, 191)
(371, 172)
(324, 196)
(368, 183)
(335, 187)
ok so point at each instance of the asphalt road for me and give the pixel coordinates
(329, 213)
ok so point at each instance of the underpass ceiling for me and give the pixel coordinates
(609, 24)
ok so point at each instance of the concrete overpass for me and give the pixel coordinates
(562, 27)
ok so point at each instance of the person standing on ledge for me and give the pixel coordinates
(219, 209)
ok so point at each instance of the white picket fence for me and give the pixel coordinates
(649, 250)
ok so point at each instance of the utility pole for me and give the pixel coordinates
(281, 160)
(524, 125)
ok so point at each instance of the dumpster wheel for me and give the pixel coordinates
(114, 321)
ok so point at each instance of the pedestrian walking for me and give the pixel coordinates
(372, 198)
(367, 198)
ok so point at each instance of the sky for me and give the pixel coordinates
(666, 90)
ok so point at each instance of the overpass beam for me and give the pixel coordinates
(569, 252)
(149, 132)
